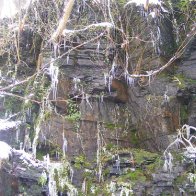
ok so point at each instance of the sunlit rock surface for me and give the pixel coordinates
(12, 132)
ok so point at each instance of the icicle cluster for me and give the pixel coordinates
(76, 81)
(126, 191)
(128, 78)
(108, 77)
(187, 141)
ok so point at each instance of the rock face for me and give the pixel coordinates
(188, 65)
(12, 132)
(19, 173)
(187, 95)
(121, 114)
(98, 107)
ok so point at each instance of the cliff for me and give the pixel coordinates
(103, 100)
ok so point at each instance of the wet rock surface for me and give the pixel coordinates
(20, 174)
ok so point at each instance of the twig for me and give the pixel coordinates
(18, 96)
(19, 83)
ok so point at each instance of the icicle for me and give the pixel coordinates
(126, 190)
(76, 81)
(52, 188)
(27, 142)
(64, 44)
(170, 159)
(100, 171)
(6, 114)
(47, 161)
(168, 164)
(187, 131)
(36, 14)
(28, 111)
(165, 167)
(87, 100)
(99, 151)
(112, 71)
(98, 45)
(53, 72)
(176, 28)
(118, 164)
(158, 33)
(166, 97)
(102, 98)
(21, 145)
(71, 174)
(84, 186)
(56, 50)
(129, 79)
(110, 83)
(57, 155)
(106, 78)
(93, 189)
(67, 58)
(65, 143)
(112, 187)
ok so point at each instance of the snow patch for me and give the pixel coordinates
(5, 124)
(5, 150)
(96, 25)
(143, 2)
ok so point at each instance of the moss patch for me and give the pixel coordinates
(133, 176)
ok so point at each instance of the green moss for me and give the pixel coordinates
(180, 80)
(133, 138)
(73, 112)
(56, 178)
(183, 114)
(81, 162)
(140, 155)
(110, 126)
(133, 176)
(40, 155)
(42, 180)
(48, 149)
(110, 146)
(180, 179)
(12, 104)
(191, 81)
(106, 172)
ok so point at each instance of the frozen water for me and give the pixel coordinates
(5, 150)
(5, 124)
(53, 72)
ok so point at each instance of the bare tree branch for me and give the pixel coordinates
(63, 22)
